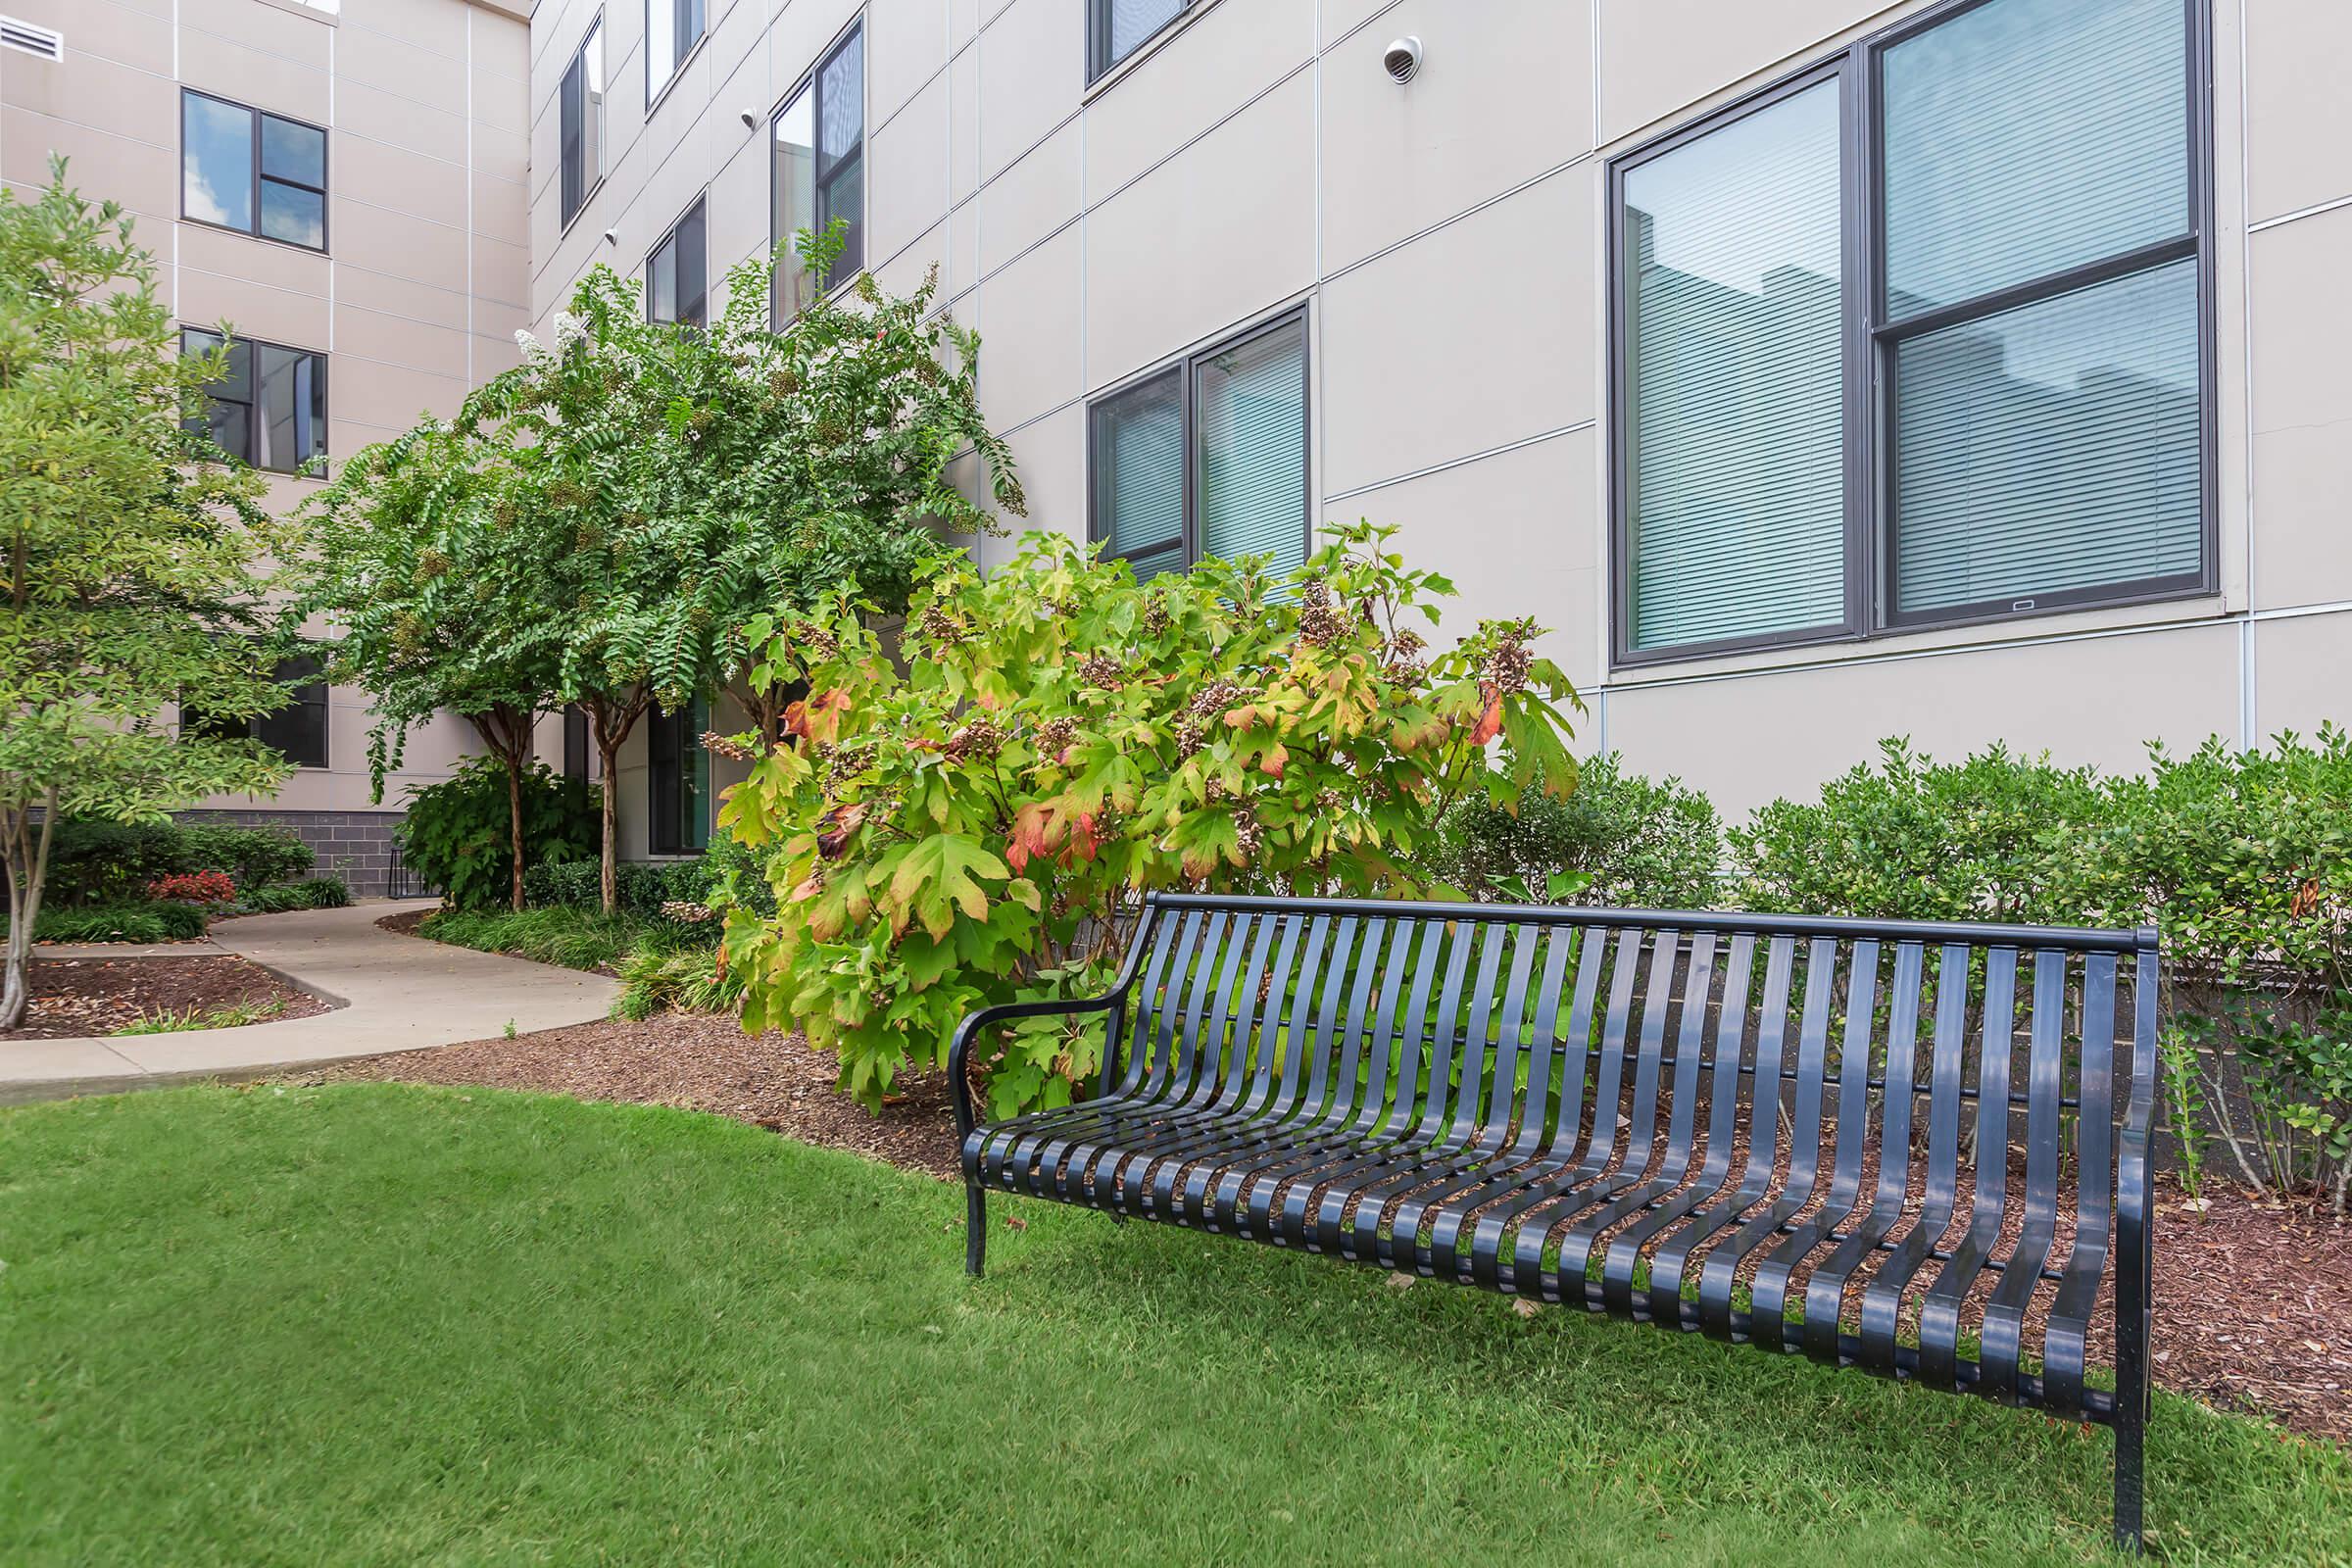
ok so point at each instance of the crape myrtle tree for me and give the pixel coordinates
(129, 553)
(616, 520)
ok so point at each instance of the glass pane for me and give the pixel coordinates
(791, 167)
(568, 103)
(1128, 22)
(660, 45)
(290, 408)
(842, 195)
(1253, 448)
(293, 152)
(297, 729)
(1736, 505)
(840, 102)
(694, 793)
(1139, 475)
(692, 284)
(215, 170)
(662, 284)
(2027, 136)
(231, 429)
(592, 109)
(294, 215)
(2051, 448)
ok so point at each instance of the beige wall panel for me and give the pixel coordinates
(1501, 97)
(964, 124)
(143, 178)
(1242, 196)
(2098, 701)
(800, 33)
(1407, 383)
(433, 24)
(392, 295)
(293, 34)
(83, 88)
(1032, 68)
(1341, 15)
(420, 75)
(737, 47)
(397, 340)
(1516, 533)
(907, 45)
(964, 250)
(676, 146)
(396, 179)
(1029, 317)
(501, 272)
(963, 19)
(2303, 673)
(2302, 444)
(1213, 67)
(903, 274)
(391, 121)
(1658, 56)
(494, 355)
(347, 436)
(253, 310)
(106, 30)
(737, 215)
(260, 261)
(1030, 200)
(502, 156)
(1049, 456)
(391, 398)
(429, 253)
(501, 103)
(503, 46)
(254, 77)
(501, 212)
(907, 190)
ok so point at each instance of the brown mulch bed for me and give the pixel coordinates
(404, 924)
(72, 997)
(2250, 1298)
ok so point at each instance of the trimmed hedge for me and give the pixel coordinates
(643, 887)
(112, 862)
(1644, 844)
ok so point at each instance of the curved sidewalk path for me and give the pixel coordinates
(395, 993)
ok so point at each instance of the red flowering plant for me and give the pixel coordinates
(194, 887)
(971, 821)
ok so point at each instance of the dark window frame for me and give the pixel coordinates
(567, 211)
(1185, 367)
(256, 116)
(654, 92)
(698, 209)
(1099, 59)
(299, 706)
(326, 392)
(810, 83)
(1870, 341)
(669, 740)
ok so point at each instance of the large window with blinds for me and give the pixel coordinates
(1919, 336)
(1206, 457)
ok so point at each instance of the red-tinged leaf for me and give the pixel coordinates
(1277, 758)
(1489, 724)
(808, 890)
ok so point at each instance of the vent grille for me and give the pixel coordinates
(46, 42)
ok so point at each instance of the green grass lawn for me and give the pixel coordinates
(395, 1325)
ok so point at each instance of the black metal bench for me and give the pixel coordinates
(1557, 1104)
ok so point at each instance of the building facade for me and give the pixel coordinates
(1607, 304)
(347, 190)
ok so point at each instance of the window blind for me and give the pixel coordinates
(1737, 499)
(1253, 419)
(1139, 475)
(2025, 137)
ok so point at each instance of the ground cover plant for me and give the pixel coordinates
(968, 824)
(396, 1325)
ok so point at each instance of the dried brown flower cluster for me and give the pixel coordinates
(1101, 670)
(718, 745)
(978, 739)
(1321, 621)
(1508, 666)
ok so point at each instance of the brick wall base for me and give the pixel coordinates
(356, 846)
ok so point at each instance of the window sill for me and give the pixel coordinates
(655, 98)
(587, 200)
(1170, 30)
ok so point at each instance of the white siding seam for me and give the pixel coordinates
(1424, 472)
(2313, 211)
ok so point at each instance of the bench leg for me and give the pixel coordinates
(975, 1228)
(2131, 1431)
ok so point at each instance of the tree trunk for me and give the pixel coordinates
(24, 864)
(515, 823)
(507, 730)
(612, 721)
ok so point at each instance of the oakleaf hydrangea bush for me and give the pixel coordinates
(970, 820)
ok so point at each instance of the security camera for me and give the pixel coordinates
(751, 121)
(1402, 57)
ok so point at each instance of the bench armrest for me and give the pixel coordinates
(959, 1085)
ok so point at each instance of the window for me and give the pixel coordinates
(268, 408)
(672, 28)
(679, 780)
(675, 285)
(575, 742)
(297, 729)
(581, 123)
(817, 165)
(1918, 336)
(1116, 28)
(1206, 457)
(256, 173)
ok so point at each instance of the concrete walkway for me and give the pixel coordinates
(392, 993)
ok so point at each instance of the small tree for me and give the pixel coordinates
(130, 554)
(965, 826)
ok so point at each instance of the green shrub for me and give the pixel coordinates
(456, 835)
(687, 979)
(643, 888)
(93, 862)
(316, 892)
(575, 938)
(1644, 844)
(152, 921)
